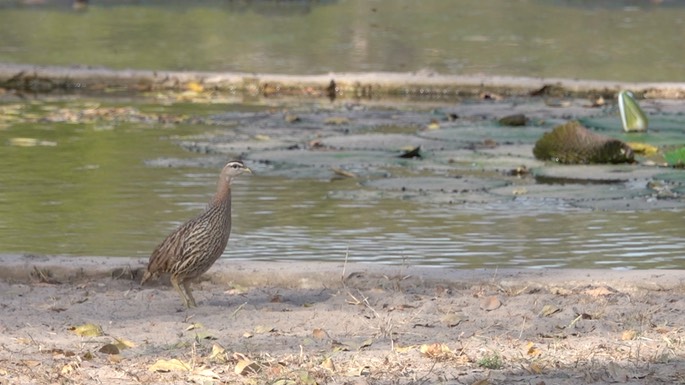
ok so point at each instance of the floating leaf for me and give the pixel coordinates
(173, 365)
(643, 148)
(633, 118)
(87, 330)
(194, 86)
(675, 157)
(414, 152)
(515, 120)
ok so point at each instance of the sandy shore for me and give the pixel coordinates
(330, 323)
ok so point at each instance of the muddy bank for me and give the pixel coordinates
(287, 323)
(382, 85)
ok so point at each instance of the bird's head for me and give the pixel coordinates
(233, 169)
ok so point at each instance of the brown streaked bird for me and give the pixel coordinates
(192, 249)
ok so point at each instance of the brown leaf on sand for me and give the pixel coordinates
(452, 319)
(173, 365)
(548, 310)
(600, 291)
(319, 334)
(437, 351)
(490, 303)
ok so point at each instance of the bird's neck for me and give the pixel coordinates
(223, 194)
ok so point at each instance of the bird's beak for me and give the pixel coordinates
(247, 170)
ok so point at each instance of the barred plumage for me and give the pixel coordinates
(192, 249)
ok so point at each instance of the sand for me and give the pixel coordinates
(335, 323)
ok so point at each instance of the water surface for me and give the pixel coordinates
(608, 40)
(99, 189)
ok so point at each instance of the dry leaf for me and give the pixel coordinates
(261, 329)
(490, 303)
(173, 365)
(109, 349)
(628, 335)
(218, 352)
(248, 335)
(600, 291)
(404, 349)
(328, 364)
(319, 334)
(87, 330)
(532, 350)
(548, 310)
(207, 373)
(123, 343)
(535, 368)
(365, 344)
(246, 366)
(436, 351)
(194, 87)
(194, 326)
(451, 319)
(484, 381)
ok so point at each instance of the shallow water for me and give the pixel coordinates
(102, 190)
(623, 40)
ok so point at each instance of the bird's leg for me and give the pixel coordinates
(189, 293)
(181, 291)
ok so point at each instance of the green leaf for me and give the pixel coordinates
(632, 116)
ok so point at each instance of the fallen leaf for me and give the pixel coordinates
(261, 329)
(246, 366)
(532, 350)
(218, 352)
(490, 303)
(109, 349)
(548, 310)
(319, 334)
(123, 343)
(87, 330)
(451, 319)
(337, 121)
(404, 349)
(173, 365)
(484, 381)
(628, 335)
(207, 373)
(600, 291)
(328, 364)
(365, 344)
(436, 351)
(535, 368)
(194, 326)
